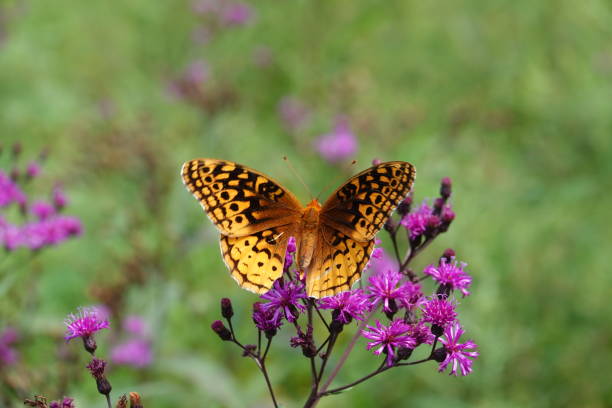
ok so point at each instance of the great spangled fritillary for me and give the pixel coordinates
(256, 217)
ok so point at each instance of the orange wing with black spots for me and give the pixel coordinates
(239, 200)
(350, 219)
(364, 203)
(253, 213)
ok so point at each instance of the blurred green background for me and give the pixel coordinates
(511, 99)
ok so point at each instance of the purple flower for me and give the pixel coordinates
(190, 80)
(457, 354)
(284, 299)
(380, 261)
(96, 367)
(134, 352)
(413, 296)
(387, 339)
(450, 274)
(135, 325)
(293, 113)
(42, 210)
(266, 320)
(385, 288)
(347, 305)
(51, 231)
(236, 14)
(417, 221)
(66, 402)
(33, 169)
(59, 198)
(291, 248)
(8, 356)
(10, 191)
(10, 236)
(85, 323)
(338, 145)
(438, 310)
(421, 333)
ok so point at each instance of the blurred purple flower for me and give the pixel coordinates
(55, 230)
(293, 113)
(59, 198)
(191, 79)
(8, 355)
(10, 191)
(134, 352)
(381, 262)
(10, 236)
(291, 248)
(438, 310)
(347, 305)
(284, 299)
(135, 325)
(33, 169)
(388, 338)
(42, 210)
(338, 145)
(236, 14)
(458, 355)
(450, 274)
(84, 323)
(66, 402)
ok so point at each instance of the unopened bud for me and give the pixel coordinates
(104, 386)
(403, 353)
(448, 254)
(219, 328)
(445, 188)
(90, 344)
(439, 354)
(226, 308)
(437, 330)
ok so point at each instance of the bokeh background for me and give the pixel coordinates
(511, 99)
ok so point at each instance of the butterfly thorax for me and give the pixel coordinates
(309, 227)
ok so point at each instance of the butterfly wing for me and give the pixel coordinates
(256, 261)
(253, 213)
(361, 206)
(349, 220)
(337, 263)
(239, 200)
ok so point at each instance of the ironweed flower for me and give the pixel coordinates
(84, 323)
(284, 299)
(450, 274)
(10, 192)
(8, 355)
(33, 169)
(42, 210)
(388, 338)
(458, 355)
(236, 14)
(134, 352)
(349, 305)
(338, 145)
(385, 288)
(438, 311)
(421, 333)
(66, 402)
(266, 320)
(418, 221)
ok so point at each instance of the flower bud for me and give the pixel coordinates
(104, 386)
(90, 344)
(226, 308)
(336, 326)
(403, 353)
(389, 225)
(404, 207)
(445, 188)
(437, 330)
(219, 328)
(439, 354)
(376, 162)
(448, 254)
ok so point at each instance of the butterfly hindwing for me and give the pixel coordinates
(361, 206)
(239, 200)
(256, 261)
(338, 262)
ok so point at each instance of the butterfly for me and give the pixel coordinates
(256, 216)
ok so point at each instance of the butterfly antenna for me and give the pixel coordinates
(331, 181)
(286, 159)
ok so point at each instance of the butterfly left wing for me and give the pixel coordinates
(338, 261)
(256, 261)
(361, 206)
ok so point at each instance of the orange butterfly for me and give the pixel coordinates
(256, 217)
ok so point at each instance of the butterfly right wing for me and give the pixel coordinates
(238, 200)
(337, 264)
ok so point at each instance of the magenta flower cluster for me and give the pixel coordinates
(42, 223)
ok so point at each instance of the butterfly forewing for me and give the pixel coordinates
(238, 200)
(361, 206)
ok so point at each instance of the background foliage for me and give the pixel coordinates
(512, 100)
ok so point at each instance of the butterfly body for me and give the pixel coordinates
(256, 217)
